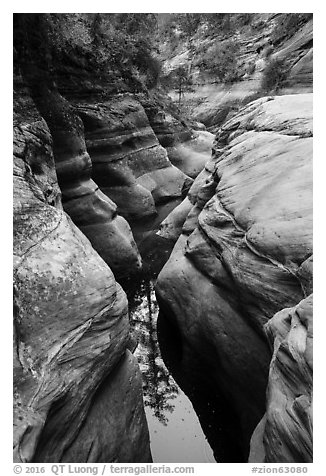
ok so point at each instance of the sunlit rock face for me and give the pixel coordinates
(246, 253)
(71, 327)
(169, 127)
(191, 156)
(128, 163)
(285, 433)
(187, 143)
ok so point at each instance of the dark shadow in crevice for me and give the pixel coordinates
(217, 418)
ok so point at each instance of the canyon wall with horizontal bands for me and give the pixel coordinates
(109, 162)
(83, 157)
(128, 132)
(72, 366)
(88, 207)
(244, 254)
(128, 163)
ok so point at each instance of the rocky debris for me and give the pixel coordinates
(129, 164)
(246, 254)
(71, 326)
(285, 433)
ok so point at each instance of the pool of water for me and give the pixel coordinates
(175, 432)
(187, 422)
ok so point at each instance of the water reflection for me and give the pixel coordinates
(175, 431)
(159, 388)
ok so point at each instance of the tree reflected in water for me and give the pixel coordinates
(159, 388)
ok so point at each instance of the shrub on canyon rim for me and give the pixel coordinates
(274, 74)
(221, 60)
(96, 41)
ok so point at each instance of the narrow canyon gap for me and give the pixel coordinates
(163, 257)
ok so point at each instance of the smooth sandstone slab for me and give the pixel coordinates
(289, 114)
(250, 241)
(260, 219)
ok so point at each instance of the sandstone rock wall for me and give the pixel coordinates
(298, 51)
(71, 326)
(187, 142)
(246, 253)
(285, 433)
(184, 218)
(129, 164)
(92, 211)
(165, 119)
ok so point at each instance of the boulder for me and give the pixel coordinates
(71, 327)
(245, 253)
(171, 226)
